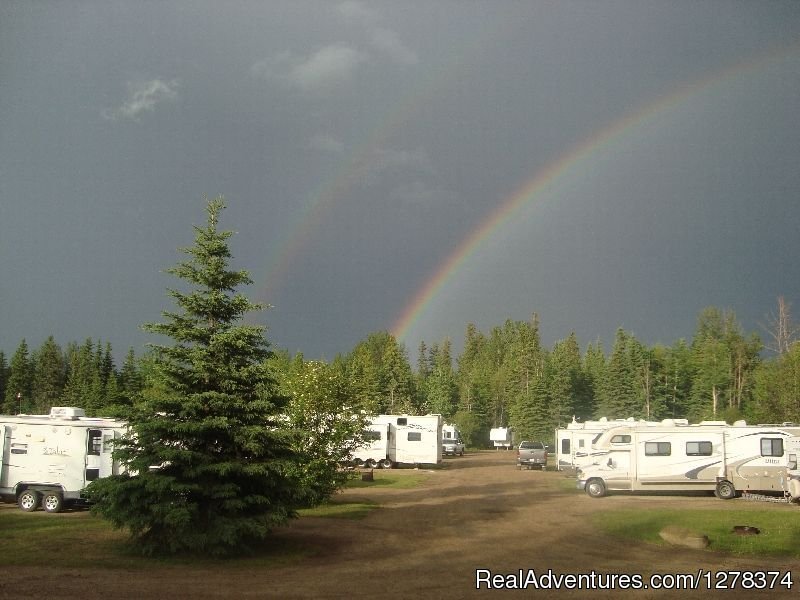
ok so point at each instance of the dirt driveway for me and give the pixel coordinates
(478, 512)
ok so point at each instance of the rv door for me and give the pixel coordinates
(99, 463)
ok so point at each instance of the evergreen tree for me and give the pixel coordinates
(441, 391)
(564, 381)
(130, 380)
(19, 382)
(3, 378)
(385, 383)
(209, 419)
(80, 366)
(49, 375)
(594, 369)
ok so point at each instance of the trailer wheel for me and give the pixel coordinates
(28, 500)
(370, 464)
(725, 490)
(596, 488)
(358, 462)
(386, 463)
(52, 502)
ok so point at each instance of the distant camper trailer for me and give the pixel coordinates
(47, 460)
(401, 439)
(501, 437)
(713, 456)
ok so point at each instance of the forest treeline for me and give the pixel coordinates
(502, 377)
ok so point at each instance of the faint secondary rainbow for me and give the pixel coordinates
(556, 170)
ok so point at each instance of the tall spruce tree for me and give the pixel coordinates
(19, 382)
(49, 372)
(211, 467)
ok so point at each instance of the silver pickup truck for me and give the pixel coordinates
(532, 455)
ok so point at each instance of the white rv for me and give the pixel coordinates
(47, 460)
(574, 442)
(402, 439)
(710, 456)
(501, 437)
(450, 432)
(375, 452)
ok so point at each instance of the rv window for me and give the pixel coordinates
(95, 441)
(565, 446)
(402, 421)
(771, 447)
(371, 436)
(621, 439)
(698, 448)
(414, 436)
(657, 448)
(597, 437)
(580, 443)
(19, 448)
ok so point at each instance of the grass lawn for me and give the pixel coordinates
(392, 478)
(779, 526)
(78, 538)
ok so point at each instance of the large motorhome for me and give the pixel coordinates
(574, 442)
(47, 460)
(709, 456)
(402, 439)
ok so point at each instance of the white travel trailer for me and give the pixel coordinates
(402, 439)
(710, 456)
(574, 442)
(47, 460)
(501, 437)
(376, 451)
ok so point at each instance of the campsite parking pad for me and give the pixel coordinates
(475, 512)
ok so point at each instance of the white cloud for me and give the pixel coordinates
(328, 67)
(143, 97)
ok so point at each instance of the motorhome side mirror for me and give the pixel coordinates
(610, 463)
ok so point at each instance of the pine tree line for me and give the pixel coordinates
(508, 378)
(79, 375)
(503, 378)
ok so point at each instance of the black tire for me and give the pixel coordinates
(358, 462)
(596, 488)
(725, 490)
(461, 453)
(386, 463)
(52, 502)
(28, 500)
(370, 463)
